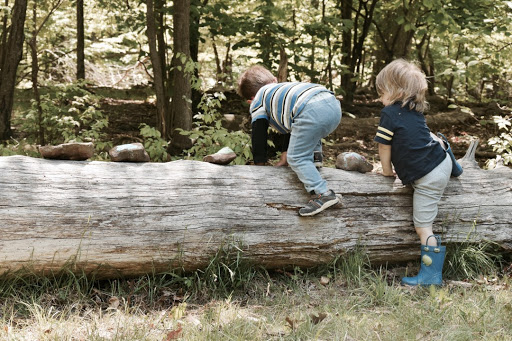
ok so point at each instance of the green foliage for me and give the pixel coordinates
(189, 67)
(502, 144)
(154, 144)
(471, 258)
(352, 266)
(72, 114)
(227, 271)
(210, 136)
(22, 147)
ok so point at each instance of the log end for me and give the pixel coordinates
(468, 160)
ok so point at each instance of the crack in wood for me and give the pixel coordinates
(280, 206)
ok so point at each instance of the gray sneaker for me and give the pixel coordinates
(318, 159)
(320, 203)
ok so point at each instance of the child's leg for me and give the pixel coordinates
(427, 194)
(319, 118)
(424, 233)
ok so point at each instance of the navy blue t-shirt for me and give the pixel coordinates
(414, 153)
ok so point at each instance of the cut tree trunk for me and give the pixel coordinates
(128, 219)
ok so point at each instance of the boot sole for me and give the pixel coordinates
(321, 208)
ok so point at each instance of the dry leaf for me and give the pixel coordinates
(178, 311)
(290, 322)
(317, 319)
(113, 302)
(174, 334)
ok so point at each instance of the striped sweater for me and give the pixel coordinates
(280, 103)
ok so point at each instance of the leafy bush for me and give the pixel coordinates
(71, 115)
(154, 144)
(21, 147)
(210, 136)
(502, 144)
(471, 258)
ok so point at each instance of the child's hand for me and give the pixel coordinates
(390, 174)
(282, 161)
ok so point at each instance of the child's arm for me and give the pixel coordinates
(385, 159)
(259, 136)
(283, 162)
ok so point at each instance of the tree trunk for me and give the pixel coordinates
(32, 43)
(3, 37)
(346, 50)
(195, 37)
(128, 219)
(282, 71)
(181, 111)
(80, 40)
(9, 67)
(358, 47)
(162, 101)
(161, 45)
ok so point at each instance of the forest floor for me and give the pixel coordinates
(355, 133)
(349, 300)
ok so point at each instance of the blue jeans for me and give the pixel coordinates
(319, 117)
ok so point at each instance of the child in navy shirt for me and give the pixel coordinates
(419, 159)
(308, 112)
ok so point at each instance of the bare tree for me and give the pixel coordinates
(80, 40)
(181, 111)
(3, 37)
(14, 51)
(35, 61)
(162, 99)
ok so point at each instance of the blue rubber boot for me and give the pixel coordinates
(431, 270)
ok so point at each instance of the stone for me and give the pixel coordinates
(351, 161)
(131, 152)
(77, 151)
(222, 157)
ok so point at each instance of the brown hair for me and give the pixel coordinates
(252, 80)
(403, 81)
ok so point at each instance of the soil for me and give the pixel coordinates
(356, 131)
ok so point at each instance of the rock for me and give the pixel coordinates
(351, 161)
(132, 152)
(222, 157)
(68, 151)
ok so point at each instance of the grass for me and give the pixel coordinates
(232, 300)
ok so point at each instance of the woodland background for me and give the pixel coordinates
(164, 72)
(160, 71)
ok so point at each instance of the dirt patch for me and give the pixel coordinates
(355, 133)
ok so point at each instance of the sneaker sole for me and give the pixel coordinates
(321, 208)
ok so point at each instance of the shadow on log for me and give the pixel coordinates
(127, 219)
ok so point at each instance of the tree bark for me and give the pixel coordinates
(9, 67)
(181, 111)
(162, 100)
(3, 37)
(346, 50)
(80, 40)
(128, 219)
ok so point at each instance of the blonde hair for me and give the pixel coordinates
(252, 80)
(403, 81)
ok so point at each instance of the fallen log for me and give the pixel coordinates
(128, 219)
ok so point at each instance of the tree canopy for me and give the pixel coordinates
(464, 47)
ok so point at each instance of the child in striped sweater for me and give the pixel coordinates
(308, 112)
